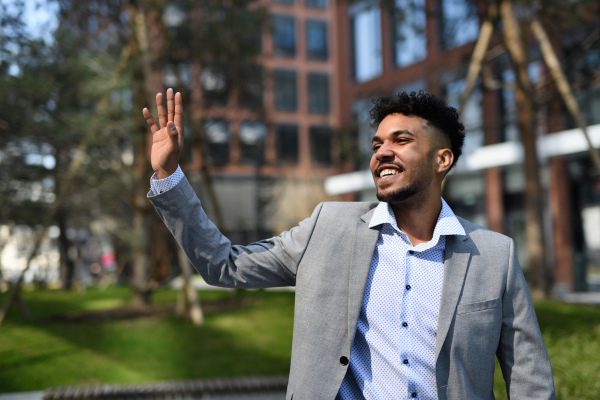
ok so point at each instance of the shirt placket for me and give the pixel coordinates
(404, 325)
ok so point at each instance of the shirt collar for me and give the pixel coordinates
(447, 223)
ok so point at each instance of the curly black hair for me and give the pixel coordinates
(427, 106)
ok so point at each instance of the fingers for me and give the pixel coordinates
(173, 134)
(170, 104)
(151, 122)
(179, 113)
(162, 113)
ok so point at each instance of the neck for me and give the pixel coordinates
(418, 215)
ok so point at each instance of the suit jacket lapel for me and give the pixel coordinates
(365, 239)
(456, 262)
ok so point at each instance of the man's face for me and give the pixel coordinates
(403, 161)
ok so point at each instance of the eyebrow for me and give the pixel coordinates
(395, 134)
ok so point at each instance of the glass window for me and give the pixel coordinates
(215, 92)
(252, 136)
(316, 4)
(410, 34)
(508, 106)
(320, 145)
(284, 83)
(217, 136)
(472, 115)
(318, 93)
(287, 143)
(316, 40)
(178, 78)
(460, 23)
(251, 90)
(366, 37)
(510, 128)
(284, 36)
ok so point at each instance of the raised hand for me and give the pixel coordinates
(167, 138)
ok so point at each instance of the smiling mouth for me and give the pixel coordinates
(388, 172)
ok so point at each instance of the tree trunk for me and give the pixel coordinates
(189, 303)
(142, 288)
(539, 279)
(563, 86)
(67, 268)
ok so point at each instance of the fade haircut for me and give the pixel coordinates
(441, 117)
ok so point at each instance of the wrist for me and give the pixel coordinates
(163, 174)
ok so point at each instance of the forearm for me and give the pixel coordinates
(263, 264)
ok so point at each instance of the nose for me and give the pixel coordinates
(384, 153)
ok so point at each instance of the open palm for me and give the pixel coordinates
(167, 138)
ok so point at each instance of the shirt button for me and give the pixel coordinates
(407, 287)
(344, 360)
(406, 362)
(414, 394)
(404, 324)
(411, 251)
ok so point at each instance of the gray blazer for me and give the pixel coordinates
(485, 309)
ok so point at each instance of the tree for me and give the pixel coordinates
(102, 69)
(539, 274)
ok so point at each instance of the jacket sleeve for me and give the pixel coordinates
(268, 263)
(521, 352)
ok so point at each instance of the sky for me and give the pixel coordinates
(40, 17)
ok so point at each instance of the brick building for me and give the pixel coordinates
(426, 44)
(269, 149)
(323, 60)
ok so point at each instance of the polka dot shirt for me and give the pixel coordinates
(393, 355)
(159, 186)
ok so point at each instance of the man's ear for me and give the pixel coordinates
(445, 158)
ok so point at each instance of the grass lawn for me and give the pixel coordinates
(252, 340)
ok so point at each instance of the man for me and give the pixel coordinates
(394, 300)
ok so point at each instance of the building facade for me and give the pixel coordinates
(269, 150)
(426, 45)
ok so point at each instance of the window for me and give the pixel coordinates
(287, 143)
(409, 32)
(252, 136)
(322, 4)
(215, 92)
(472, 115)
(318, 93)
(584, 77)
(289, 2)
(284, 36)
(320, 145)
(366, 37)
(460, 24)
(217, 136)
(510, 128)
(251, 91)
(178, 78)
(316, 40)
(284, 83)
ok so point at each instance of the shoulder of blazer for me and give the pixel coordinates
(347, 210)
(483, 237)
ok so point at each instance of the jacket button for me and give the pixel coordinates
(344, 360)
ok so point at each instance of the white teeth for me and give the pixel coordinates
(387, 172)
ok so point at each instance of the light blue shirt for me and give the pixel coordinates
(159, 186)
(393, 355)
